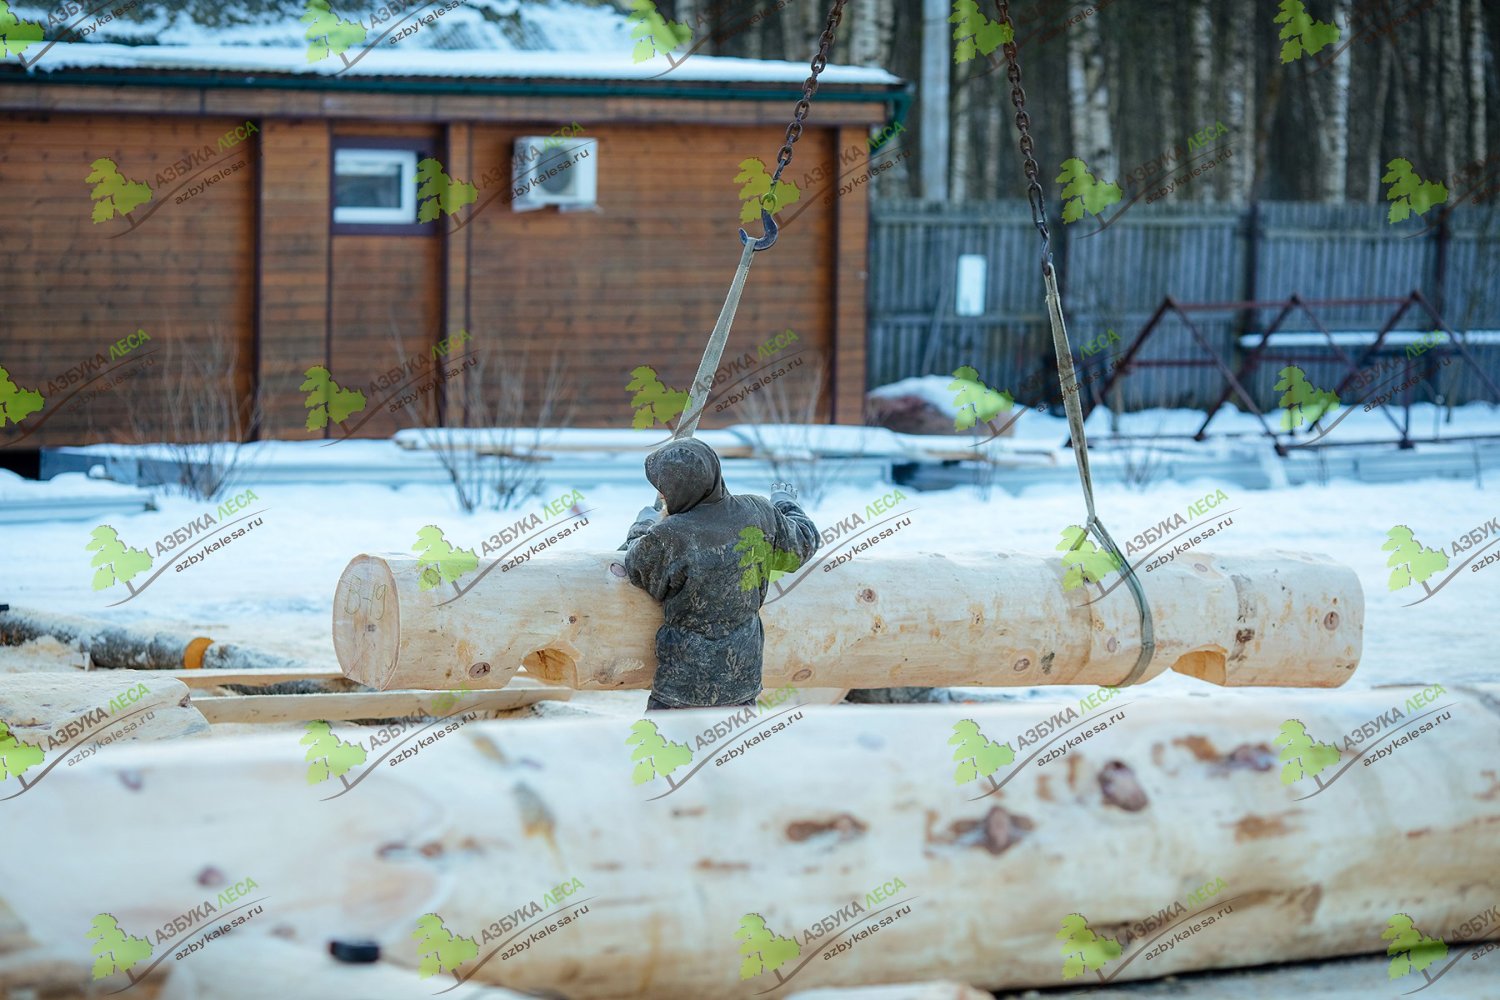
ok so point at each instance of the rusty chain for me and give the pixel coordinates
(1023, 126)
(809, 88)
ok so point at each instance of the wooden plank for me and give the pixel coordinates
(266, 708)
(217, 678)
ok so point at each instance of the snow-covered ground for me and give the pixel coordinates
(273, 587)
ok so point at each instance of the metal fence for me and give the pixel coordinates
(1115, 276)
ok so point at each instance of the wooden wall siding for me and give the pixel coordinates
(183, 275)
(850, 253)
(641, 281)
(309, 104)
(294, 266)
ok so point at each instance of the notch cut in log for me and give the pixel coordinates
(1179, 792)
(923, 619)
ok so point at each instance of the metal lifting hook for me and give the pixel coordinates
(768, 224)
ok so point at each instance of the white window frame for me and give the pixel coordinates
(405, 160)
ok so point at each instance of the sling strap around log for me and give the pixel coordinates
(1064, 351)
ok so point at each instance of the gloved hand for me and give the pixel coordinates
(783, 491)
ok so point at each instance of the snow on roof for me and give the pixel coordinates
(497, 39)
(470, 64)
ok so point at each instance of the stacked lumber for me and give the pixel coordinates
(924, 619)
(1175, 795)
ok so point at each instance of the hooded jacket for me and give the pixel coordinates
(706, 561)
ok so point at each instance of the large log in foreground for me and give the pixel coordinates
(926, 619)
(1177, 795)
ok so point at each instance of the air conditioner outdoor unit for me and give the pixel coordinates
(553, 171)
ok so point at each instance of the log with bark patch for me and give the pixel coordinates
(925, 619)
(1243, 806)
(119, 647)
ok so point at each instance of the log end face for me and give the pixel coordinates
(367, 622)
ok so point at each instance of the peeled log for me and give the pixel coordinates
(1180, 792)
(926, 619)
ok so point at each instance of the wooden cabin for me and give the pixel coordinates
(215, 224)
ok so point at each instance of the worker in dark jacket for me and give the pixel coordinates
(707, 559)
